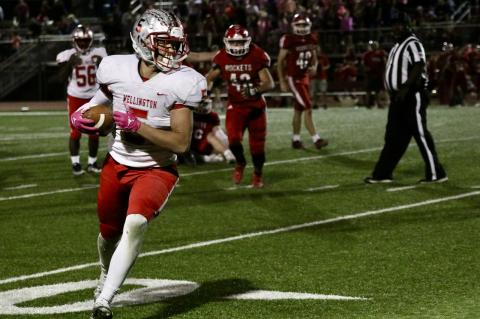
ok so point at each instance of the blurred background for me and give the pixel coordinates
(33, 32)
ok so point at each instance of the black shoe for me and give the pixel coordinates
(437, 180)
(371, 180)
(320, 143)
(93, 168)
(297, 145)
(77, 169)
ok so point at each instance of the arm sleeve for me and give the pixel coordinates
(266, 61)
(102, 72)
(97, 99)
(63, 56)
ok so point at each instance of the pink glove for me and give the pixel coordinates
(83, 125)
(126, 121)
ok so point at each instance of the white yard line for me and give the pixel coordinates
(319, 188)
(37, 113)
(16, 158)
(20, 187)
(401, 188)
(255, 234)
(67, 190)
(235, 187)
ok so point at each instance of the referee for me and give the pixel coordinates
(406, 82)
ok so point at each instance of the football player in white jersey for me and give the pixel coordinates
(152, 95)
(79, 64)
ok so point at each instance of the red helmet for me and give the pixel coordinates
(301, 24)
(82, 38)
(237, 40)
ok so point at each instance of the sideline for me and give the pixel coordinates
(255, 234)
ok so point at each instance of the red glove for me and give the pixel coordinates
(82, 124)
(126, 121)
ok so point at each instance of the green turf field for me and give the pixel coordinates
(314, 243)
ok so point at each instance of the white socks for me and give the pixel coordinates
(229, 156)
(125, 255)
(315, 138)
(106, 249)
(75, 159)
(296, 137)
(92, 160)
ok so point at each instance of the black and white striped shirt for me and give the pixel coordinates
(400, 60)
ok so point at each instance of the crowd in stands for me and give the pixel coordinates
(338, 24)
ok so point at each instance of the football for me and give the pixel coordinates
(103, 117)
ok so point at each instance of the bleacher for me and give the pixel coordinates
(33, 65)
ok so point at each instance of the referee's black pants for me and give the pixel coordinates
(408, 118)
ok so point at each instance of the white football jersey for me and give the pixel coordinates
(82, 82)
(151, 101)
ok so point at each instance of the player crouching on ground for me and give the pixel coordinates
(244, 66)
(209, 141)
(152, 95)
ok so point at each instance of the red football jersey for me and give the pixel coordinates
(301, 49)
(239, 72)
(375, 62)
(202, 125)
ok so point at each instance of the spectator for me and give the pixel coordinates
(318, 82)
(22, 12)
(374, 61)
(16, 41)
(346, 73)
(445, 74)
(346, 26)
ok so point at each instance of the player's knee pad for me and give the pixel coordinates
(134, 228)
(75, 134)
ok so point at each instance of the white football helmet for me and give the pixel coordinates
(82, 38)
(158, 38)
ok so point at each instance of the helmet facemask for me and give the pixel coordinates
(158, 39)
(82, 38)
(237, 47)
(167, 53)
(302, 28)
(237, 40)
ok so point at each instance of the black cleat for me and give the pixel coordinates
(101, 310)
(93, 168)
(320, 143)
(297, 145)
(77, 169)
